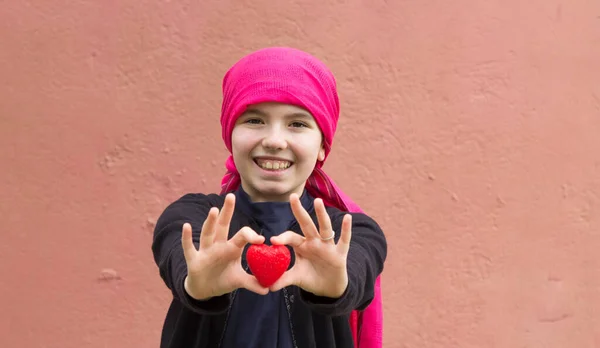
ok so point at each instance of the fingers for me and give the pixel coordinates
(306, 224)
(344, 242)
(246, 235)
(290, 238)
(189, 249)
(207, 236)
(325, 229)
(222, 230)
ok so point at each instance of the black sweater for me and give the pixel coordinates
(315, 321)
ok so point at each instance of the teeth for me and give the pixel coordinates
(274, 165)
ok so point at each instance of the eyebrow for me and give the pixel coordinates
(298, 114)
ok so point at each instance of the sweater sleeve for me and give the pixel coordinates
(366, 256)
(168, 252)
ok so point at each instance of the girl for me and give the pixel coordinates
(279, 115)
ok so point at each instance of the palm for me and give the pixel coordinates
(321, 268)
(221, 263)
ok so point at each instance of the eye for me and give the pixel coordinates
(253, 121)
(298, 124)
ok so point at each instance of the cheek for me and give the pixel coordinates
(239, 140)
(237, 151)
(311, 148)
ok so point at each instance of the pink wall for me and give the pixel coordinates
(470, 131)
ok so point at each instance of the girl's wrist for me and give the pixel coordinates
(188, 289)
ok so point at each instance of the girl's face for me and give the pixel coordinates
(275, 148)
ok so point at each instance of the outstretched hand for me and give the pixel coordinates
(320, 266)
(215, 268)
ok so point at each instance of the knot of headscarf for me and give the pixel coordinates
(291, 76)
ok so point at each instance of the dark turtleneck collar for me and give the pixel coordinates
(269, 211)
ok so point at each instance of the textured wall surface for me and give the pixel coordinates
(470, 131)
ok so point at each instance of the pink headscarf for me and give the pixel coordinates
(290, 76)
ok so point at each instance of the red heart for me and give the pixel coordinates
(268, 263)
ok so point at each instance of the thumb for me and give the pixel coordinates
(250, 283)
(288, 278)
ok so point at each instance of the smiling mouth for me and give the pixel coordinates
(273, 165)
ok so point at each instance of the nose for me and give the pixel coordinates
(274, 140)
